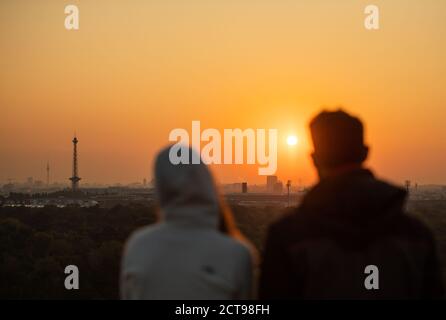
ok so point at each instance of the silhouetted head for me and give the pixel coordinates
(338, 140)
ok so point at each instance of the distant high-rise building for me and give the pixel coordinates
(75, 179)
(30, 180)
(270, 183)
(288, 187)
(144, 182)
(245, 187)
(278, 187)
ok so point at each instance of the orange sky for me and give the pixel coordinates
(137, 69)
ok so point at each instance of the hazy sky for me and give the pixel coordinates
(137, 69)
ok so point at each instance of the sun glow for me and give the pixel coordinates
(292, 140)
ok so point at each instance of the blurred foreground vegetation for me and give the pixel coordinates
(37, 243)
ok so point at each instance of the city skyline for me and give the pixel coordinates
(45, 175)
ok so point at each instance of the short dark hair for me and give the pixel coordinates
(338, 138)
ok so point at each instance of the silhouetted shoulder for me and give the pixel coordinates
(414, 228)
(289, 227)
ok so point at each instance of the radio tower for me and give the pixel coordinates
(47, 174)
(74, 179)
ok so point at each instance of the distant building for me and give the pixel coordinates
(38, 183)
(407, 185)
(232, 188)
(278, 187)
(8, 187)
(47, 173)
(270, 183)
(244, 187)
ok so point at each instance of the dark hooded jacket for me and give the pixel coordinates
(343, 225)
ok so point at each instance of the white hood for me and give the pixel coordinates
(186, 192)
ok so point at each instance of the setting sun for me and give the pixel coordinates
(291, 140)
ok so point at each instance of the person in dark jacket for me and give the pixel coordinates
(350, 238)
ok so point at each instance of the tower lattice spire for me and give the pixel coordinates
(75, 178)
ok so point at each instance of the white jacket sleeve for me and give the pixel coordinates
(246, 277)
(130, 288)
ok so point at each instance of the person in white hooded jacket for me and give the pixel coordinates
(187, 255)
